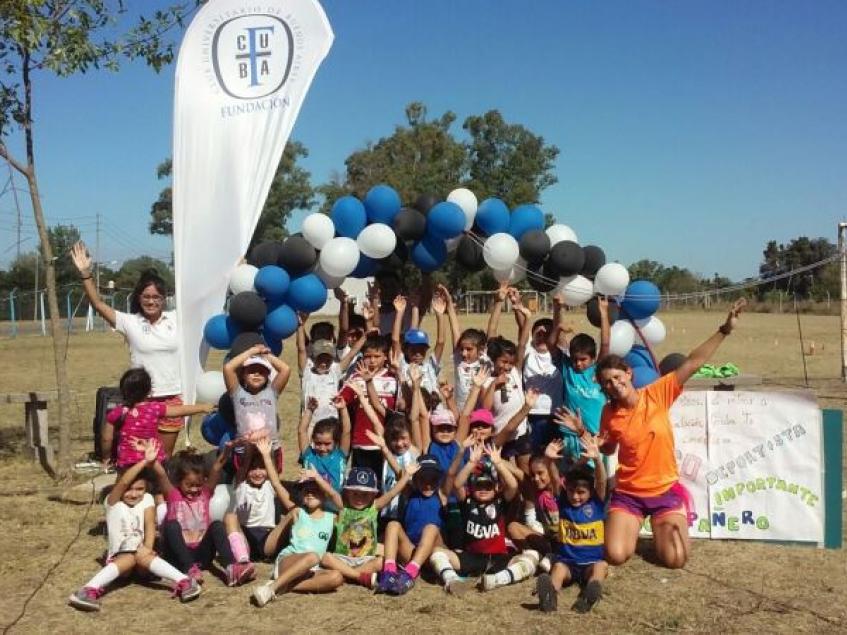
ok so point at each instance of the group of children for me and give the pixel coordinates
(483, 481)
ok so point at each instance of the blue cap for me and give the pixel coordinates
(429, 464)
(416, 336)
(362, 479)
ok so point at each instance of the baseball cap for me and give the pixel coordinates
(416, 336)
(257, 361)
(442, 417)
(481, 415)
(429, 465)
(362, 479)
(484, 473)
(323, 347)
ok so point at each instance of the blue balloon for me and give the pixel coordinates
(220, 331)
(643, 376)
(281, 322)
(272, 282)
(214, 427)
(639, 356)
(306, 293)
(525, 218)
(429, 254)
(492, 216)
(641, 300)
(382, 203)
(349, 216)
(366, 268)
(273, 342)
(445, 220)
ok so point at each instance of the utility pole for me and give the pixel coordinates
(35, 301)
(97, 255)
(17, 205)
(842, 244)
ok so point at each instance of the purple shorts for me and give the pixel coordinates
(671, 502)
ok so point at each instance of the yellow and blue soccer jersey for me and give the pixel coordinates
(580, 537)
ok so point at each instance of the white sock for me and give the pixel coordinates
(520, 568)
(529, 514)
(161, 512)
(546, 564)
(163, 569)
(104, 577)
(441, 565)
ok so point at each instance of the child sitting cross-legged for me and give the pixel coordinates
(484, 488)
(131, 523)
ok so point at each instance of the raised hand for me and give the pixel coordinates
(151, 451)
(263, 445)
(732, 318)
(554, 449)
(502, 291)
(476, 453)
(444, 292)
(531, 397)
(368, 312)
(592, 448)
(308, 474)
(312, 404)
(411, 469)
(446, 390)
(501, 380)
(439, 304)
(572, 421)
(375, 438)
(493, 453)
(415, 374)
(603, 304)
(82, 261)
(400, 304)
(363, 371)
(514, 296)
(470, 440)
(338, 402)
(481, 376)
(340, 294)
(394, 360)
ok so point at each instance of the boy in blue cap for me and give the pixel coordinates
(415, 345)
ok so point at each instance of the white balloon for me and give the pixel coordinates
(500, 251)
(452, 243)
(377, 240)
(210, 386)
(652, 329)
(513, 274)
(621, 338)
(339, 256)
(219, 503)
(318, 229)
(575, 290)
(558, 232)
(331, 282)
(611, 279)
(242, 278)
(465, 199)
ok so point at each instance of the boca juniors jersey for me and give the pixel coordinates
(580, 537)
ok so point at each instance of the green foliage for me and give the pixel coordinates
(800, 252)
(131, 270)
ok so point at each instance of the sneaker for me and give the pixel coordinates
(385, 581)
(86, 599)
(240, 573)
(403, 583)
(588, 597)
(459, 586)
(186, 590)
(264, 593)
(489, 582)
(195, 573)
(548, 598)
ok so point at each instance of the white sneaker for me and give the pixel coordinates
(489, 582)
(264, 593)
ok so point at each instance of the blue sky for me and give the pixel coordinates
(690, 133)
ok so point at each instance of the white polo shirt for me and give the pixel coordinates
(154, 347)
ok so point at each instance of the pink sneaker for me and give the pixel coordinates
(195, 573)
(87, 598)
(186, 590)
(240, 573)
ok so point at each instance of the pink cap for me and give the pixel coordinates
(482, 415)
(442, 417)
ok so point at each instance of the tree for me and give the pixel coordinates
(161, 212)
(647, 270)
(800, 252)
(131, 270)
(65, 37)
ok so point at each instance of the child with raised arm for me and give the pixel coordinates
(310, 530)
(252, 528)
(131, 525)
(415, 345)
(579, 540)
(483, 489)
(327, 450)
(254, 397)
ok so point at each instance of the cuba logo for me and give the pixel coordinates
(252, 55)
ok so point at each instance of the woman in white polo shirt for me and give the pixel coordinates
(150, 332)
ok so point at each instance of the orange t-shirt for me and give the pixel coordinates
(644, 435)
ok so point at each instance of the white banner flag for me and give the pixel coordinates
(243, 70)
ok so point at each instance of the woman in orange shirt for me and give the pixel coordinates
(636, 424)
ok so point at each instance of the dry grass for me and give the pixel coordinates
(728, 586)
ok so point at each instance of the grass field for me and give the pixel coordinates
(727, 586)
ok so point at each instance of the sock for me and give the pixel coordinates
(520, 568)
(238, 544)
(545, 564)
(104, 577)
(390, 566)
(413, 569)
(161, 512)
(529, 514)
(441, 565)
(163, 569)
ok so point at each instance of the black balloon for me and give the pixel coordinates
(469, 254)
(248, 310)
(671, 362)
(297, 256)
(397, 259)
(566, 258)
(409, 224)
(594, 259)
(538, 280)
(426, 202)
(225, 407)
(244, 341)
(265, 253)
(592, 312)
(534, 245)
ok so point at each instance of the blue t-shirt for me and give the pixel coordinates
(419, 512)
(330, 466)
(580, 536)
(444, 453)
(583, 394)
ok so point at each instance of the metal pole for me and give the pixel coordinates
(37, 260)
(97, 256)
(842, 244)
(70, 316)
(43, 322)
(12, 313)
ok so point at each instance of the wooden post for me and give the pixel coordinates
(842, 232)
(37, 435)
